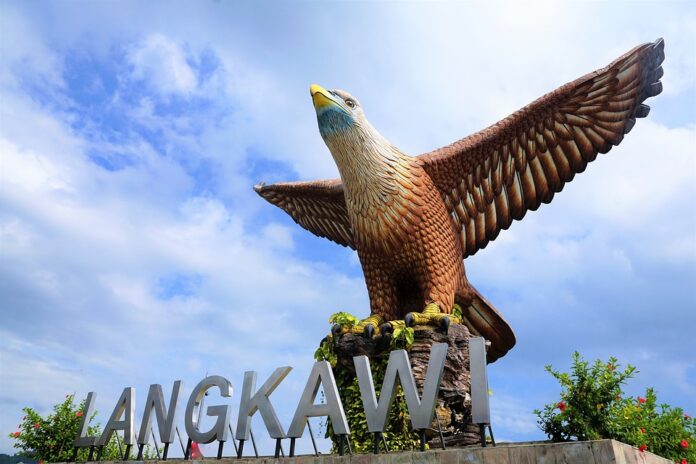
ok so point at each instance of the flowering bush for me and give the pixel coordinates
(51, 438)
(593, 406)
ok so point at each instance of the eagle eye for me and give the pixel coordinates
(350, 103)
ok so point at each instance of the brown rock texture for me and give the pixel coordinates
(454, 403)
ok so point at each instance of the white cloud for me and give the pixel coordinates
(32, 57)
(163, 62)
(511, 414)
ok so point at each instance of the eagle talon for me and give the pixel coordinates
(445, 323)
(369, 331)
(431, 316)
(410, 320)
(386, 328)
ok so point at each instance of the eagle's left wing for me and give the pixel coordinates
(497, 175)
(318, 206)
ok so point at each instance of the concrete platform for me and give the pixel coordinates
(584, 452)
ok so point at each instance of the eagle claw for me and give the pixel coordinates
(369, 331)
(431, 316)
(410, 320)
(445, 323)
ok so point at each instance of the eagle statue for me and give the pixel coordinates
(412, 220)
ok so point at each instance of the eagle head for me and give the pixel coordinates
(338, 112)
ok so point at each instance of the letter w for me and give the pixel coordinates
(399, 368)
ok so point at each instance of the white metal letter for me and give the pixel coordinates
(165, 420)
(82, 438)
(320, 376)
(125, 404)
(480, 409)
(219, 430)
(260, 402)
(399, 368)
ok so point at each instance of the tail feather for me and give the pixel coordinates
(482, 319)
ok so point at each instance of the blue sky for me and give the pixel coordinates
(134, 251)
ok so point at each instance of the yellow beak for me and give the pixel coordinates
(321, 97)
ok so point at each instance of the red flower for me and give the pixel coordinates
(610, 367)
(16, 435)
(41, 461)
(684, 461)
(561, 405)
(642, 430)
(78, 414)
(642, 448)
(684, 444)
(37, 425)
(641, 400)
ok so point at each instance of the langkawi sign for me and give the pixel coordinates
(421, 408)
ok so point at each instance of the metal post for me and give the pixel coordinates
(90, 458)
(482, 432)
(74, 454)
(187, 453)
(384, 440)
(490, 429)
(311, 435)
(234, 442)
(181, 443)
(127, 454)
(140, 452)
(375, 443)
(120, 450)
(421, 433)
(350, 448)
(277, 449)
(253, 442)
(221, 444)
(341, 451)
(157, 445)
(166, 451)
(99, 452)
(292, 447)
(439, 430)
(240, 450)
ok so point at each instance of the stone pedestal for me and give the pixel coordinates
(454, 403)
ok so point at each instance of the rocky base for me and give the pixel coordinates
(454, 404)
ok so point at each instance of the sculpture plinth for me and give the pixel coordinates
(454, 403)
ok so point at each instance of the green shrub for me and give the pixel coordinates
(592, 406)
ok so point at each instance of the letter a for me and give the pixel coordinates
(125, 405)
(321, 376)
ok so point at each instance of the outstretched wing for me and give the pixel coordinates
(318, 206)
(497, 175)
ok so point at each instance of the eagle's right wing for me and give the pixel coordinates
(318, 206)
(495, 176)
